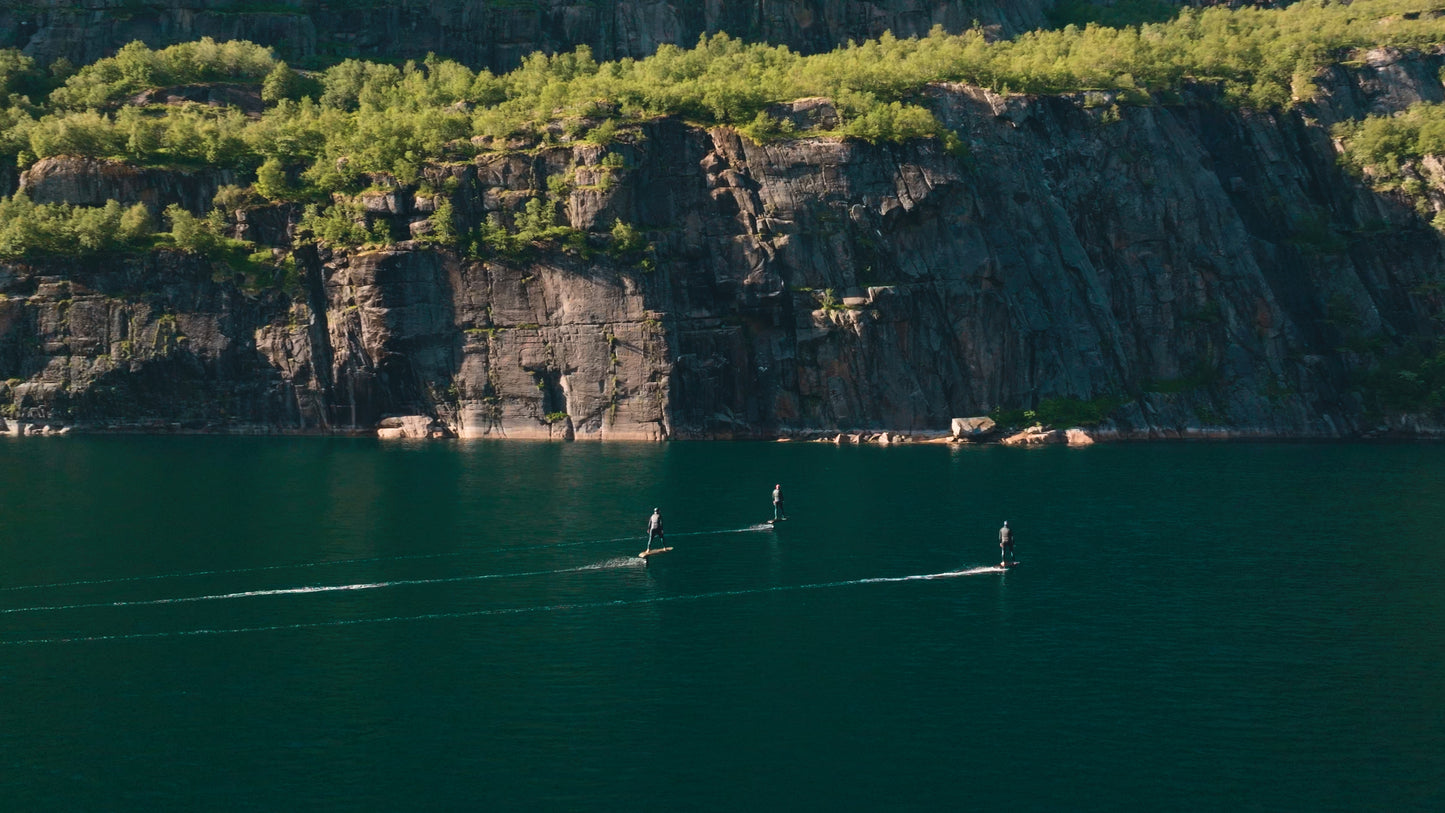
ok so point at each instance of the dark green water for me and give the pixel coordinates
(1194, 627)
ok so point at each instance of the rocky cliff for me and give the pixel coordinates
(1189, 264)
(483, 33)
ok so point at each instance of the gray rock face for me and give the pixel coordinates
(91, 182)
(149, 343)
(1214, 271)
(491, 33)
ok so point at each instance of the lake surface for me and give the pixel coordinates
(204, 623)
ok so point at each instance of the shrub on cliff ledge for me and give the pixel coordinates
(1382, 144)
(135, 68)
(1389, 152)
(192, 234)
(341, 224)
(626, 238)
(535, 224)
(31, 229)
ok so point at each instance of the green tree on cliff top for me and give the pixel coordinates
(361, 123)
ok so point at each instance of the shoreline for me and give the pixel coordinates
(1027, 437)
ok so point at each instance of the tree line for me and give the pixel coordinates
(313, 133)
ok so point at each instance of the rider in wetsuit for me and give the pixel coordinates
(1006, 543)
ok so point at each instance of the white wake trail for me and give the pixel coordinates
(372, 559)
(229, 571)
(977, 571)
(322, 588)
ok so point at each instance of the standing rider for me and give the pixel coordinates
(654, 527)
(1006, 543)
(778, 501)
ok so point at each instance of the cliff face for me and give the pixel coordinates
(486, 33)
(1201, 266)
(85, 182)
(153, 342)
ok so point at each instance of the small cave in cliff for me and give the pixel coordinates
(549, 384)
